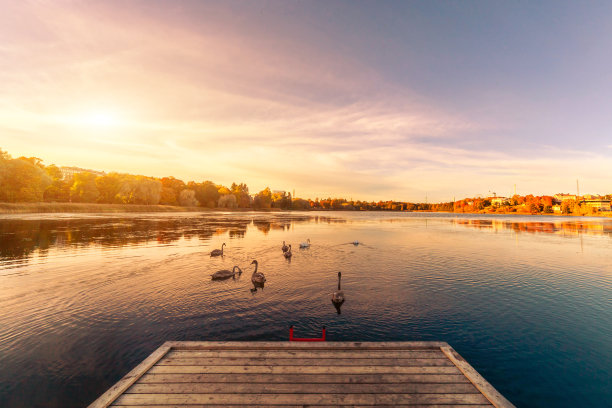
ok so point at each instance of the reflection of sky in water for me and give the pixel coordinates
(85, 298)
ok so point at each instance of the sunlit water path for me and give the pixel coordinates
(526, 300)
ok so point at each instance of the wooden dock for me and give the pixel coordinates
(293, 374)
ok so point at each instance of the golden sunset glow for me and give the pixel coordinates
(283, 95)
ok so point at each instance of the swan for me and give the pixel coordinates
(285, 248)
(288, 253)
(225, 274)
(337, 297)
(257, 277)
(305, 244)
(217, 252)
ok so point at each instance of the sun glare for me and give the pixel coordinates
(101, 119)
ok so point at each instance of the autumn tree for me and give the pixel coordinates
(241, 192)
(227, 201)
(208, 194)
(187, 198)
(171, 188)
(263, 199)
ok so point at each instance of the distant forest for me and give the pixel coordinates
(27, 180)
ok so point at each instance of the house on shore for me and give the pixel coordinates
(69, 172)
(559, 198)
(499, 201)
(600, 204)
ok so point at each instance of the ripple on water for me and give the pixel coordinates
(532, 311)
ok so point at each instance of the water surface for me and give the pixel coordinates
(526, 300)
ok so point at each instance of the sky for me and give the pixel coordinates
(370, 100)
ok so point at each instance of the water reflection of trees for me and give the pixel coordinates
(570, 228)
(19, 238)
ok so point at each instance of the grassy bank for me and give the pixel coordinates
(24, 208)
(31, 208)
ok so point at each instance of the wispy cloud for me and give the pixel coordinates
(241, 104)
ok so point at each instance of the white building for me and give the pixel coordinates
(69, 172)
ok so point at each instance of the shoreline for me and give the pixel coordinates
(34, 208)
(42, 208)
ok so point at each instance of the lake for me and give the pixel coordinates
(527, 300)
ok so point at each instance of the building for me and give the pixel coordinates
(69, 172)
(559, 198)
(598, 204)
(499, 201)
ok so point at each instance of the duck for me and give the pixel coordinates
(225, 274)
(257, 277)
(355, 243)
(217, 252)
(285, 248)
(305, 244)
(288, 254)
(337, 297)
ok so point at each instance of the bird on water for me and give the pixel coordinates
(288, 254)
(257, 278)
(217, 252)
(226, 274)
(305, 244)
(285, 248)
(337, 297)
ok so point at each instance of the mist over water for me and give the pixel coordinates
(526, 300)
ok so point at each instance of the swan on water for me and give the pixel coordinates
(337, 297)
(285, 248)
(257, 277)
(305, 244)
(217, 252)
(225, 274)
(288, 253)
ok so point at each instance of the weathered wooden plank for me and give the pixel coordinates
(280, 345)
(209, 374)
(302, 406)
(304, 378)
(130, 378)
(305, 354)
(256, 361)
(304, 369)
(301, 399)
(483, 385)
(301, 388)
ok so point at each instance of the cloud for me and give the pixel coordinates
(233, 103)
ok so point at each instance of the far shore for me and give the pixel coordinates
(34, 208)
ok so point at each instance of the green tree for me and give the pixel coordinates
(108, 186)
(22, 180)
(83, 189)
(59, 190)
(139, 190)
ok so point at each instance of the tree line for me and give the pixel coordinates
(27, 179)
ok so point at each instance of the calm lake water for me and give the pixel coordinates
(526, 300)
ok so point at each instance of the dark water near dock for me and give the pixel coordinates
(526, 300)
